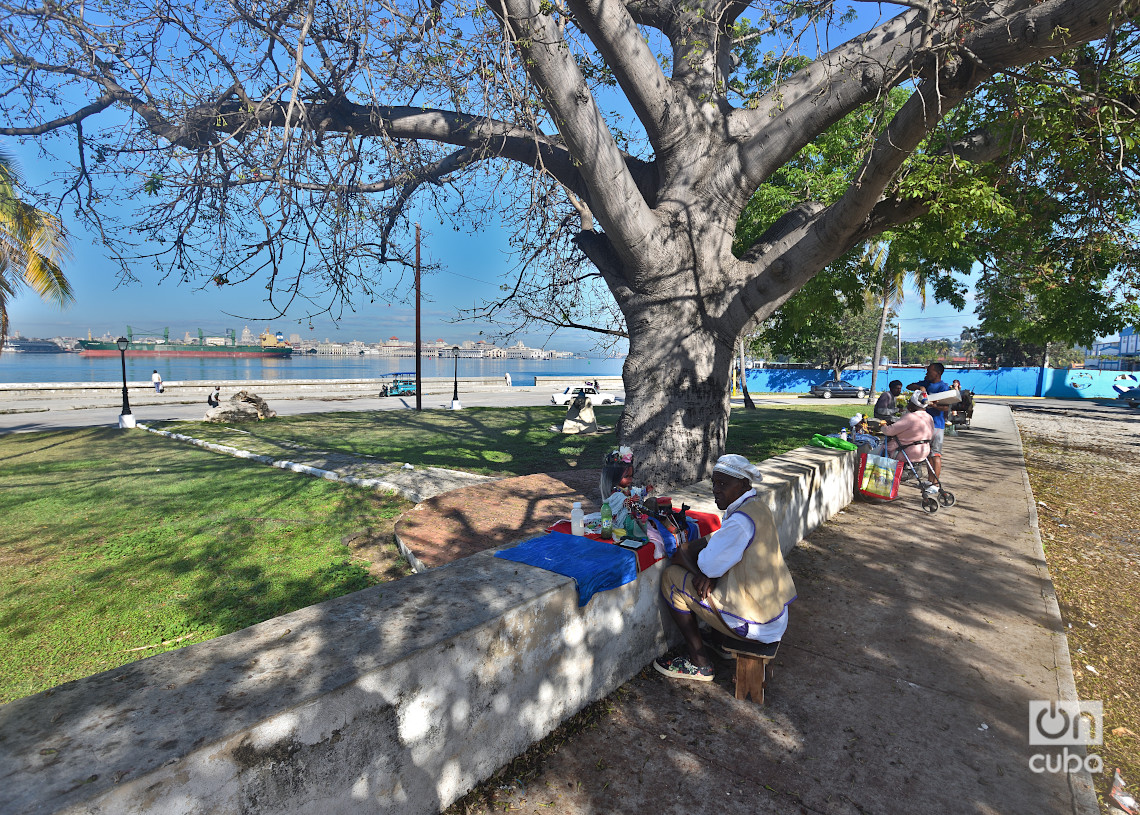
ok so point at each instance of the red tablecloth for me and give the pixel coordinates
(707, 523)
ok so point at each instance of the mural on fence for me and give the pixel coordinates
(1055, 382)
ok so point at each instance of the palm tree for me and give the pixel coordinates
(32, 247)
(887, 273)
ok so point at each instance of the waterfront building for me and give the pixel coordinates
(520, 351)
(334, 349)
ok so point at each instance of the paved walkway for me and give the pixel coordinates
(414, 483)
(461, 522)
(902, 685)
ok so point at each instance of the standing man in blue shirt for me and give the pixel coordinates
(933, 384)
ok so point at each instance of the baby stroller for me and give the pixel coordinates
(963, 413)
(933, 496)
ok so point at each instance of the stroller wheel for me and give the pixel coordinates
(946, 498)
(929, 505)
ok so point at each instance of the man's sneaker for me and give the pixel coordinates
(682, 668)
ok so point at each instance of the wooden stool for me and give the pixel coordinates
(752, 666)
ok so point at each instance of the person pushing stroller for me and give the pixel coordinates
(909, 440)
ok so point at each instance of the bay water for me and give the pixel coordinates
(20, 368)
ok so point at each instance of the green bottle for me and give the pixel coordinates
(607, 530)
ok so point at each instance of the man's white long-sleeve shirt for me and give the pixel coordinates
(724, 550)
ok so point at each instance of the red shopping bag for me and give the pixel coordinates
(878, 477)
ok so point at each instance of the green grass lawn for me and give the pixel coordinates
(118, 545)
(503, 441)
(115, 546)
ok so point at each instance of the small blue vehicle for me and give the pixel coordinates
(402, 384)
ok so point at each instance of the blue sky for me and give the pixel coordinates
(471, 270)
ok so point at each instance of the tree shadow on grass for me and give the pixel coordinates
(518, 441)
(162, 544)
(492, 441)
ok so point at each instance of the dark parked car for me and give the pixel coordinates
(837, 387)
(1132, 397)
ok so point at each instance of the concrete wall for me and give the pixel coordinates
(398, 698)
(1058, 383)
(558, 383)
(111, 393)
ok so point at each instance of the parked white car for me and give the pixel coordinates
(596, 396)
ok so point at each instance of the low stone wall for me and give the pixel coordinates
(111, 393)
(558, 383)
(398, 698)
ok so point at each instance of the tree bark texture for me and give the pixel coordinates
(677, 397)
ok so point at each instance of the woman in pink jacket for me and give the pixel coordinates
(912, 431)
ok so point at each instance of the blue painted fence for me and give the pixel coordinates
(1058, 383)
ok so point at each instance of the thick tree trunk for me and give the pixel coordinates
(676, 399)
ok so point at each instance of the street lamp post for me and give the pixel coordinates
(455, 380)
(126, 418)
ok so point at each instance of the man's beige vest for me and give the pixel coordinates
(760, 585)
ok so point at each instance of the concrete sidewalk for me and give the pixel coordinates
(902, 686)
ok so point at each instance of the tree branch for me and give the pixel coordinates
(98, 106)
(610, 187)
(609, 26)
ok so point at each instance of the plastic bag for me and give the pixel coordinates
(617, 507)
(819, 440)
(879, 476)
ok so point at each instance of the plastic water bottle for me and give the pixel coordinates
(577, 519)
(607, 530)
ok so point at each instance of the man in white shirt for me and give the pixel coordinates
(734, 580)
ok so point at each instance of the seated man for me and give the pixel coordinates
(886, 408)
(913, 431)
(734, 580)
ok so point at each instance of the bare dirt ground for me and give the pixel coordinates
(1084, 467)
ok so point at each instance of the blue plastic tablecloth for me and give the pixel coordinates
(594, 565)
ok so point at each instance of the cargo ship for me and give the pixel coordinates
(271, 345)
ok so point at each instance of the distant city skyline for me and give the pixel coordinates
(471, 269)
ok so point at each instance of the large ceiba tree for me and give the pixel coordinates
(621, 140)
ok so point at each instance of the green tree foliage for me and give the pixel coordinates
(1052, 222)
(836, 340)
(32, 247)
(927, 253)
(921, 352)
(1063, 266)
